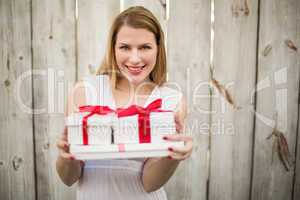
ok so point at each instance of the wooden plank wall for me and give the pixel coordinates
(296, 187)
(53, 47)
(61, 41)
(234, 66)
(16, 132)
(188, 44)
(94, 19)
(278, 78)
(158, 8)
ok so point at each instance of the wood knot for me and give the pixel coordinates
(290, 44)
(236, 7)
(16, 162)
(50, 37)
(46, 146)
(163, 3)
(267, 50)
(7, 83)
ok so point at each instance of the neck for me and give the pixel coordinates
(124, 85)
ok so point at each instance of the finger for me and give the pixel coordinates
(188, 147)
(177, 156)
(63, 145)
(67, 156)
(178, 137)
(178, 127)
(82, 163)
(65, 134)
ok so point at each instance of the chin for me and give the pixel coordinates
(135, 80)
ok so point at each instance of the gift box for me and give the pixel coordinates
(136, 124)
(122, 151)
(126, 129)
(137, 133)
(87, 129)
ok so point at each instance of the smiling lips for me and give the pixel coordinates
(135, 70)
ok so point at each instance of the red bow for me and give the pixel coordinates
(99, 110)
(143, 118)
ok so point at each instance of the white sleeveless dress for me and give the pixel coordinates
(118, 179)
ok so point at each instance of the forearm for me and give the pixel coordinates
(68, 170)
(157, 171)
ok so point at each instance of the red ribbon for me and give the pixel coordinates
(143, 117)
(99, 110)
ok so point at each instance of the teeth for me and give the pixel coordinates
(135, 68)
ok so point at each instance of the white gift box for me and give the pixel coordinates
(126, 143)
(99, 129)
(126, 131)
(122, 151)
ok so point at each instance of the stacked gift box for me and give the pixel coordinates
(98, 132)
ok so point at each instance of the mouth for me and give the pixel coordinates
(135, 69)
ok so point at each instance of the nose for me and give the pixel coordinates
(134, 57)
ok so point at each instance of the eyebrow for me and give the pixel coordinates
(122, 43)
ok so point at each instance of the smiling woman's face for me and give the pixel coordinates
(136, 53)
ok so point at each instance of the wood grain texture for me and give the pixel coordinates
(296, 187)
(188, 43)
(16, 132)
(234, 66)
(94, 20)
(157, 7)
(250, 51)
(278, 90)
(54, 58)
(295, 26)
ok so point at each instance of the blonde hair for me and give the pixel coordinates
(135, 17)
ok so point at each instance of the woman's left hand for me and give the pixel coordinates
(180, 153)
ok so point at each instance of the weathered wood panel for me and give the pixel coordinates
(94, 21)
(296, 188)
(16, 132)
(234, 66)
(188, 45)
(157, 7)
(296, 29)
(54, 57)
(55, 37)
(278, 90)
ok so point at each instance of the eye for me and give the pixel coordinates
(124, 47)
(146, 47)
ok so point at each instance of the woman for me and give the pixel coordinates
(135, 63)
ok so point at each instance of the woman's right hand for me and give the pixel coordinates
(64, 147)
(68, 168)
